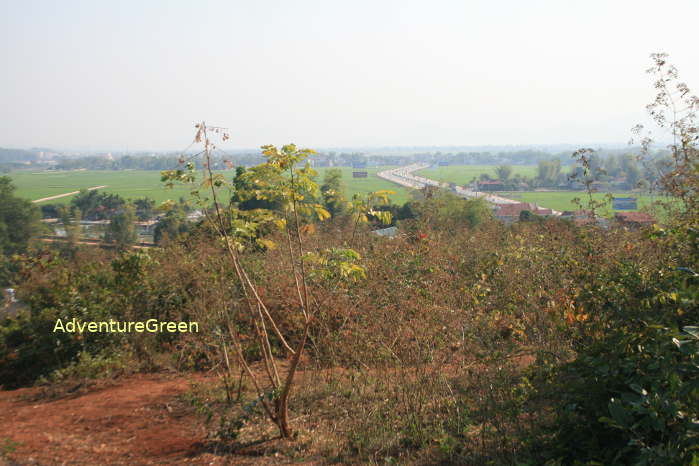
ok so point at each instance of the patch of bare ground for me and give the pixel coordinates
(137, 420)
(150, 419)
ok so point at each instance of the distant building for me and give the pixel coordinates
(634, 219)
(509, 213)
(491, 185)
(584, 217)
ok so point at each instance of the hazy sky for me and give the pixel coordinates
(129, 75)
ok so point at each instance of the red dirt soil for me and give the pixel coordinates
(139, 420)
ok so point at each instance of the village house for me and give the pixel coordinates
(491, 185)
(584, 217)
(509, 213)
(634, 219)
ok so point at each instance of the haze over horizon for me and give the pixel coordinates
(131, 76)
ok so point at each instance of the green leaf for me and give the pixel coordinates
(266, 243)
(619, 413)
(321, 213)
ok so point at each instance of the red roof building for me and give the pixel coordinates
(634, 219)
(511, 212)
(491, 185)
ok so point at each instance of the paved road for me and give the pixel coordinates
(404, 176)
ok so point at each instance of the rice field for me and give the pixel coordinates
(464, 174)
(563, 200)
(133, 184)
(369, 184)
(557, 200)
(130, 184)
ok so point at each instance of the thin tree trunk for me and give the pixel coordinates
(282, 406)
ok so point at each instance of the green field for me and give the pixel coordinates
(133, 184)
(563, 200)
(559, 200)
(130, 184)
(369, 184)
(464, 174)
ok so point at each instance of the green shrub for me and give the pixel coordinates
(632, 398)
(105, 364)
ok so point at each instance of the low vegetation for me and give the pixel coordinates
(460, 340)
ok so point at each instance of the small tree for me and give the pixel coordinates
(630, 169)
(283, 182)
(548, 171)
(170, 226)
(675, 109)
(362, 207)
(144, 208)
(19, 219)
(503, 172)
(445, 208)
(332, 191)
(586, 174)
(70, 218)
(121, 230)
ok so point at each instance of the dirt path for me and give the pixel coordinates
(58, 196)
(138, 421)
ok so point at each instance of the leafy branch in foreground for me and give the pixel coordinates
(361, 207)
(587, 178)
(286, 185)
(674, 110)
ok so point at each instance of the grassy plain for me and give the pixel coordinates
(127, 183)
(463, 174)
(133, 184)
(563, 200)
(558, 200)
(141, 183)
(369, 184)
